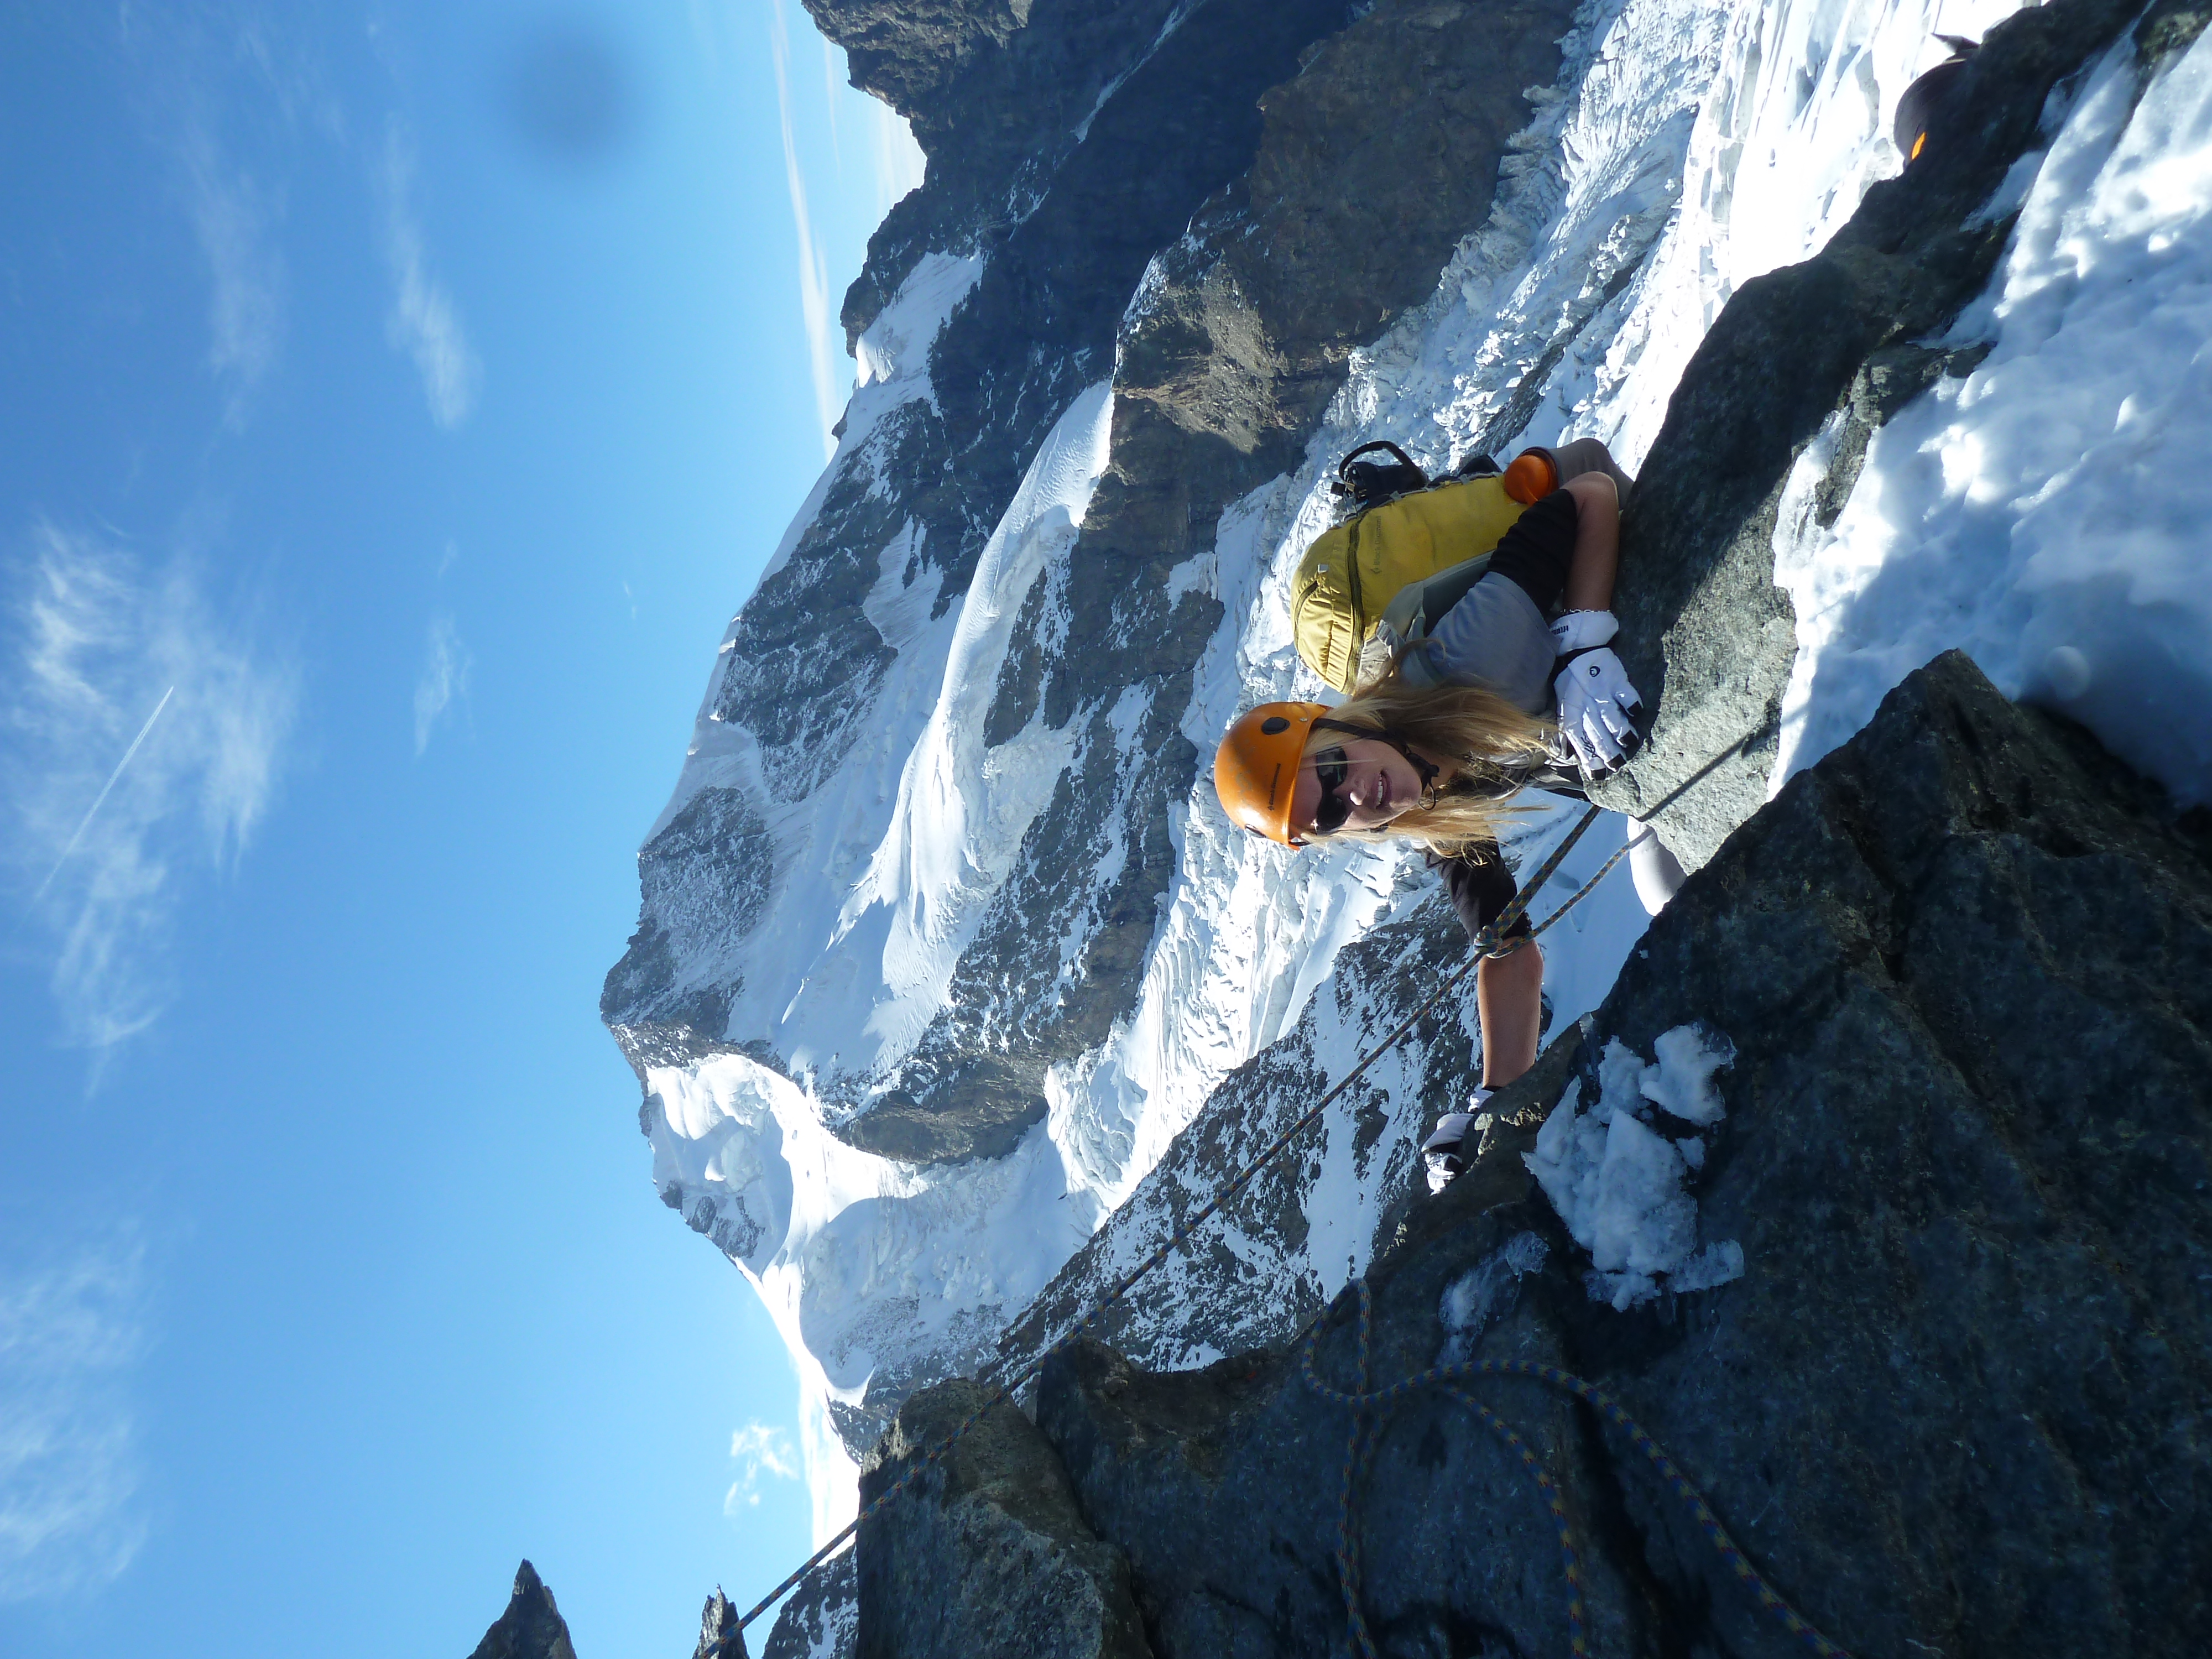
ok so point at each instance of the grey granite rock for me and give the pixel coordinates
(531, 1627)
(1958, 1403)
(987, 1553)
(1704, 633)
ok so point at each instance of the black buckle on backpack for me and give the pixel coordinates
(1371, 482)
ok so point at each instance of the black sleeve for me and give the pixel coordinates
(1481, 885)
(1538, 549)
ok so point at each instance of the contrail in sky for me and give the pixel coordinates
(102, 795)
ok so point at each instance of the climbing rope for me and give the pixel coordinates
(1490, 942)
(1368, 1408)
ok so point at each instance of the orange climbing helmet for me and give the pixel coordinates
(1255, 771)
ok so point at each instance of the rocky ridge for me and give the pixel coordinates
(1958, 1400)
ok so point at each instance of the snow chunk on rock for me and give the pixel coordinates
(1484, 1294)
(1621, 1183)
(1682, 1082)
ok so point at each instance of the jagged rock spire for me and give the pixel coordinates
(720, 1635)
(531, 1627)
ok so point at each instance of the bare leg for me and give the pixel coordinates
(1657, 872)
(1509, 995)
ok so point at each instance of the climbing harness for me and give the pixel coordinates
(1489, 943)
(1368, 1408)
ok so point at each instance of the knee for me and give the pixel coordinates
(1657, 872)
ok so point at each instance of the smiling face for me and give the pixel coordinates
(1379, 784)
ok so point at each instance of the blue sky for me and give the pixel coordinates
(397, 406)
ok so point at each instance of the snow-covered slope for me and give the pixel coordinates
(836, 996)
(2048, 512)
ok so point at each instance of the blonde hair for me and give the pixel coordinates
(1479, 740)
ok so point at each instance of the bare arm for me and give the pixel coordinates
(1597, 558)
(1509, 997)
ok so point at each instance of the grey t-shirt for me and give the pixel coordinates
(1495, 635)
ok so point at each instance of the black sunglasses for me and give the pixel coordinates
(1331, 767)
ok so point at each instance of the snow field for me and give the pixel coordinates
(962, 811)
(861, 1261)
(2052, 512)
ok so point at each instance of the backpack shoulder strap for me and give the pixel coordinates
(1406, 620)
(1418, 604)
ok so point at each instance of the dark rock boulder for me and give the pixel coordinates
(1706, 634)
(530, 1628)
(987, 1553)
(1956, 1402)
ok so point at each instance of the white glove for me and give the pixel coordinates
(1598, 708)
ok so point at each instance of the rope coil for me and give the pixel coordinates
(1368, 1408)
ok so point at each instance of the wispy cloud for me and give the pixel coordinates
(106, 789)
(231, 218)
(831, 60)
(824, 343)
(758, 1448)
(424, 320)
(445, 675)
(70, 1333)
(109, 802)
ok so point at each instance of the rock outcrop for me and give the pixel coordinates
(1958, 1400)
(719, 1634)
(986, 1551)
(531, 1627)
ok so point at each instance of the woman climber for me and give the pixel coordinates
(1515, 686)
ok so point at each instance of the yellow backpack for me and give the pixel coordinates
(1350, 573)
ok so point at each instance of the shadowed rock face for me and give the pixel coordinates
(530, 1628)
(1705, 632)
(1959, 1397)
(994, 1555)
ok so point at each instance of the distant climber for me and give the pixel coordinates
(1918, 106)
(1514, 684)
